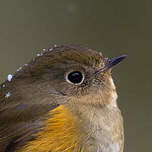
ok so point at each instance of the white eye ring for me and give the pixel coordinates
(75, 77)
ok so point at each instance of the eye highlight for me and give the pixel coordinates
(75, 77)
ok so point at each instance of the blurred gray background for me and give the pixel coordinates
(113, 27)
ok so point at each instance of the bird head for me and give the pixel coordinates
(65, 73)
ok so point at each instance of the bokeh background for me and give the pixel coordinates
(114, 27)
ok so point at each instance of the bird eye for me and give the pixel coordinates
(75, 77)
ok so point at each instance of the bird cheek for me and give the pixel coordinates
(66, 88)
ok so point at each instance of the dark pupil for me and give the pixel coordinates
(75, 77)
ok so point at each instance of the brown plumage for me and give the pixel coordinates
(39, 102)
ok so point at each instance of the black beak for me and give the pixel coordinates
(113, 61)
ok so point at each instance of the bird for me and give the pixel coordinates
(63, 100)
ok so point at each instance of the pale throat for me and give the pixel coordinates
(114, 96)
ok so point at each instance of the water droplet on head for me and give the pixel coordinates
(20, 68)
(50, 49)
(8, 95)
(9, 77)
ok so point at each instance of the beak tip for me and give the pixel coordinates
(114, 61)
(117, 59)
(124, 56)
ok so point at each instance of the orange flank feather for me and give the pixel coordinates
(60, 134)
